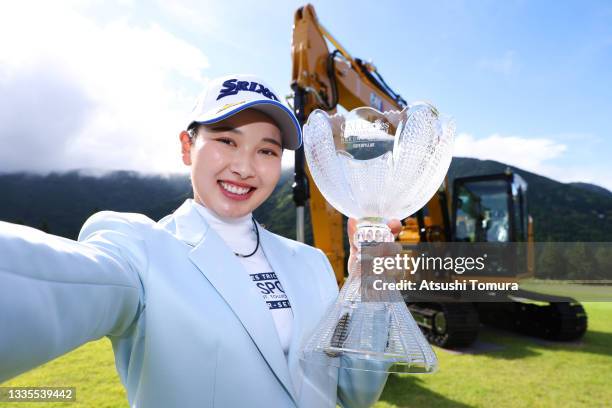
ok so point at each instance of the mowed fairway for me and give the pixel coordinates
(516, 372)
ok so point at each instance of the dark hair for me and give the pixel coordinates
(192, 130)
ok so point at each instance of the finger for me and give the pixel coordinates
(396, 226)
(351, 228)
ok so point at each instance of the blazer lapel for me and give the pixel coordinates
(220, 267)
(287, 266)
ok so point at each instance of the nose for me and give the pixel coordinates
(242, 164)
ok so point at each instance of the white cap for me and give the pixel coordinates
(228, 95)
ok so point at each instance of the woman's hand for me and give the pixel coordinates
(351, 228)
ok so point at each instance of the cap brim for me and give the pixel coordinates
(286, 121)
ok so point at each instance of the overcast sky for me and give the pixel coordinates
(108, 84)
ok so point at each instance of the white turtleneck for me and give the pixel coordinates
(239, 234)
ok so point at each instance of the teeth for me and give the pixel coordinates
(235, 189)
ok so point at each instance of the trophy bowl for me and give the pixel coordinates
(375, 166)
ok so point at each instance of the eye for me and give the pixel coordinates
(225, 140)
(269, 152)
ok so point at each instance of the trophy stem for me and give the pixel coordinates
(372, 229)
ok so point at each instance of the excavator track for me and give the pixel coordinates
(456, 325)
(558, 321)
(449, 325)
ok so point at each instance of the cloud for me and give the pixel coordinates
(506, 64)
(527, 153)
(40, 109)
(76, 93)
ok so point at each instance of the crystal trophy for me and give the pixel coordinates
(374, 167)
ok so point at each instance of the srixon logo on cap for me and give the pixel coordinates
(233, 86)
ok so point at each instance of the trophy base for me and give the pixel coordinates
(366, 361)
(371, 336)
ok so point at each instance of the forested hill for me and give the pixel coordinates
(60, 202)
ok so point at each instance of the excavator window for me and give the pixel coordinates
(482, 212)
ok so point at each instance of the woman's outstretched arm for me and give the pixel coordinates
(57, 294)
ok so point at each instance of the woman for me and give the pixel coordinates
(204, 307)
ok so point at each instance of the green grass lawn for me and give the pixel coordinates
(591, 293)
(521, 372)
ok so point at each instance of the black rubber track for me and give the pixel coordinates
(559, 321)
(461, 327)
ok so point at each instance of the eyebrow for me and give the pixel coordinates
(274, 142)
(240, 132)
(225, 129)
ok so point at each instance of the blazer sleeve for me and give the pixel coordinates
(358, 387)
(56, 293)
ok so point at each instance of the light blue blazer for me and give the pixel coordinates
(187, 327)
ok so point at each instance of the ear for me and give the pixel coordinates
(185, 147)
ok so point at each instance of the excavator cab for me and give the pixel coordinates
(490, 208)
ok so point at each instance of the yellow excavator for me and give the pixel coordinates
(490, 208)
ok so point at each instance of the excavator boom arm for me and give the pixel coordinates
(323, 80)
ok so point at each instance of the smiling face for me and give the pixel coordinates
(235, 163)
